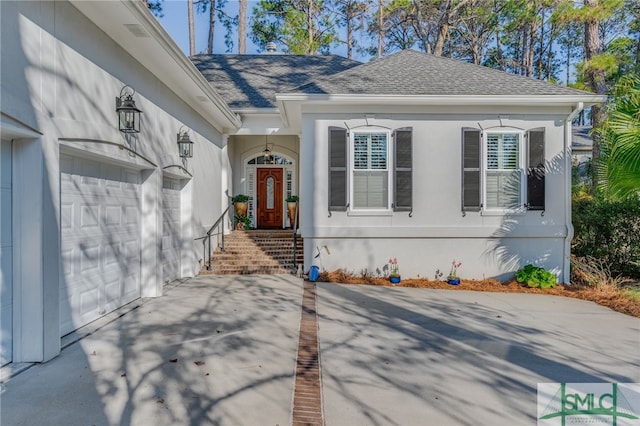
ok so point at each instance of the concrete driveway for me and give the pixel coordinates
(234, 343)
(388, 356)
(403, 356)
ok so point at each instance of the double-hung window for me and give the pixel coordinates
(504, 164)
(370, 171)
(503, 170)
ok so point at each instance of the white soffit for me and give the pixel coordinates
(132, 26)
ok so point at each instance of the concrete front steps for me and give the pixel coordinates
(256, 252)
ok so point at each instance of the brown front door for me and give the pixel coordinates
(270, 203)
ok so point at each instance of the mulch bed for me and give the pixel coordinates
(610, 297)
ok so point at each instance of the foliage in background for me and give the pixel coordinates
(302, 27)
(619, 166)
(589, 271)
(535, 38)
(609, 231)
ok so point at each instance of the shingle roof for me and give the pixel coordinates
(415, 73)
(251, 81)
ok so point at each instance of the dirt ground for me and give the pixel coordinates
(611, 297)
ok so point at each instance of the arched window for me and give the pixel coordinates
(272, 159)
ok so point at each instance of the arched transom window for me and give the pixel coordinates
(272, 159)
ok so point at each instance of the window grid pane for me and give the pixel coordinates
(370, 176)
(503, 151)
(378, 151)
(503, 177)
(289, 183)
(360, 152)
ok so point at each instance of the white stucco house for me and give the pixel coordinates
(416, 157)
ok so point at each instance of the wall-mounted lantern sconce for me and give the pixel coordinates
(128, 113)
(185, 145)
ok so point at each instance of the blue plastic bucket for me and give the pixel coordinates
(314, 273)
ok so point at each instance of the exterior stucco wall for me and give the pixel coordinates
(60, 77)
(437, 232)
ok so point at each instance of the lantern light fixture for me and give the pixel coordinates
(267, 152)
(128, 113)
(185, 145)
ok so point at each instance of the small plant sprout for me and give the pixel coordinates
(453, 274)
(394, 271)
(438, 275)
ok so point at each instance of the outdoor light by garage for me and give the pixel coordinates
(185, 145)
(128, 113)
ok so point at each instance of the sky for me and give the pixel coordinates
(175, 21)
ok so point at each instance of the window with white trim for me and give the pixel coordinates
(370, 170)
(503, 170)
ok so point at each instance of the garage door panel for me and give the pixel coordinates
(112, 215)
(89, 301)
(112, 294)
(101, 234)
(89, 257)
(89, 214)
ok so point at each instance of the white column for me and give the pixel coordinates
(151, 238)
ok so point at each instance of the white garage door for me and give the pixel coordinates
(171, 235)
(6, 275)
(100, 220)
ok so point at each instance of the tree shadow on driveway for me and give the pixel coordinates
(415, 356)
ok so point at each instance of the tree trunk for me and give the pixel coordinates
(212, 25)
(348, 18)
(443, 31)
(192, 38)
(569, 51)
(532, 48)
(380, 28)
(419, 29)
(596, 76)
(443, 27)
(242, 27)
(541, 46)
(499, 51)
(310, 30)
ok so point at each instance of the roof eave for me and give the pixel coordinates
(539, 100)
(180, 73)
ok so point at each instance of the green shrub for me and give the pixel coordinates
(608, 231)
(535, 276)
(246, 221)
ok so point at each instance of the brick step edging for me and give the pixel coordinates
(307, 397)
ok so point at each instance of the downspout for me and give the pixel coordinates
(566, 258)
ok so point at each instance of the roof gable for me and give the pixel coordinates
(415, 73)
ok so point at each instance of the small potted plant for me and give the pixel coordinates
(394, 271)
(292, 202)
(242, 222)
(453, 277)
(241, 204)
